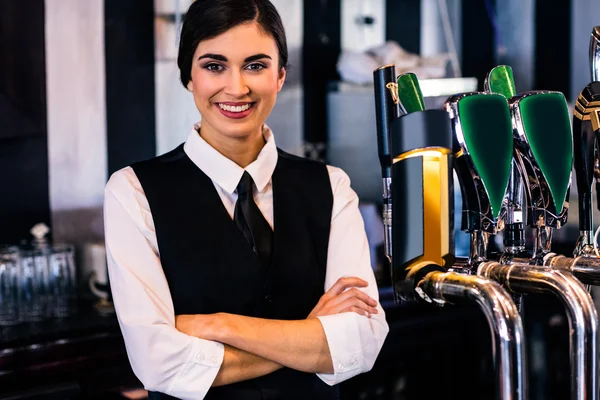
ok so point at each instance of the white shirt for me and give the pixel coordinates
(171, 362)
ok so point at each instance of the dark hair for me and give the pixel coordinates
(206, 19)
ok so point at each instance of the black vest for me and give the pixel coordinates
(211, 268)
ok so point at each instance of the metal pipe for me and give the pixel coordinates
(585, 268)
(582, 315)
(502, 316)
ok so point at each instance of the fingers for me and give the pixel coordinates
(358, 311)
(345, 283)
(344, 296)
(354, 292)
(357, 306)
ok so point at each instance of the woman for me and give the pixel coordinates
(235, 268)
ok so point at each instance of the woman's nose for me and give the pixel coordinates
(237, 86)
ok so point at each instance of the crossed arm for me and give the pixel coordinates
(255, 347)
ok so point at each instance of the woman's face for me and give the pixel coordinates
(235, 81)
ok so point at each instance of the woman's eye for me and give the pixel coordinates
(255, 67)
(213, 67)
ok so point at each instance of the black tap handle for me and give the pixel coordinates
(386, 110)
(584, 139)
(586, 135)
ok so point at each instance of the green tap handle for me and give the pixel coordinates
(545, 120)
(409, 93)
(500, 80)
(487, 138)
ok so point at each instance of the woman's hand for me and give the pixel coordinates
(338, 299)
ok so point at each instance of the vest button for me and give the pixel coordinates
(269, 298)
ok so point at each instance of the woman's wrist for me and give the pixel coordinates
(219, 327)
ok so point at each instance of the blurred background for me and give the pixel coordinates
(88, 87)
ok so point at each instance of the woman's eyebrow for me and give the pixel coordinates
(220, 57)
(256, 57)
(217, 57)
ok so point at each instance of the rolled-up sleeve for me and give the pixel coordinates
(164, 359)
(354, 340)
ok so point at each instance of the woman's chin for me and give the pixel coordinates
(242, 131)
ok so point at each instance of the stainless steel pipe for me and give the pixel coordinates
(502, 316)
(582, 315)
(585, 268)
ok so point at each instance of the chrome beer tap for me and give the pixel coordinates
(422, 237)
(500, 80)
(586, 139)
(543, 143)
(586, 133)
(543, 159)
(483, 165)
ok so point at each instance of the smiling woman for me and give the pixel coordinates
(237, 270)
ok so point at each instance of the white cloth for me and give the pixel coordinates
(168, 361)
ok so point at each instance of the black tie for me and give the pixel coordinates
(251, 222)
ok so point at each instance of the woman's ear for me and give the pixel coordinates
(190, 86)
(281, 79)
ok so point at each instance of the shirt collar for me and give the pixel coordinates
(225, 172)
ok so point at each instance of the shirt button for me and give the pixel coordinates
(200, 356)
(268, 298)
(354, 361)
(341, 367)
(215, 360)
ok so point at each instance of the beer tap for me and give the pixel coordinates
(500, 80)
(586, 133)
(483, 165)
(543, 143)
(547, 143)
(586, 138)
(586, 264)
(387, 109)
(542, 156)
(422, 234)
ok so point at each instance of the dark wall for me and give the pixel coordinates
(322, 44)
(24, 195)
(478, 40)
(403, 23)
(130, 88)
(553, 45)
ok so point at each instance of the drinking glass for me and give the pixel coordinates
(62, 281)
(35, 292)
(9, 286)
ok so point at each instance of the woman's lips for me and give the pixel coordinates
(234, 114)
